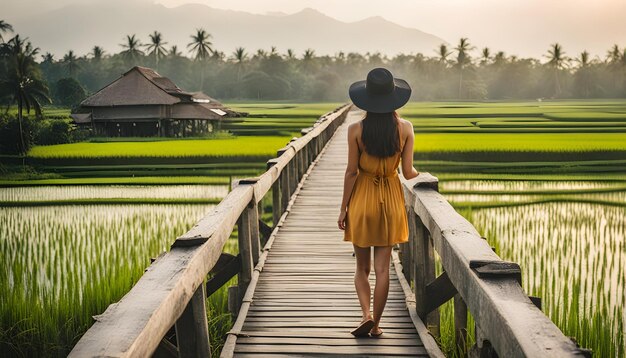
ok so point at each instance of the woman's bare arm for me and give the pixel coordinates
(353, 165)
(408, 171)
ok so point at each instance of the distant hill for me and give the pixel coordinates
(81, 26)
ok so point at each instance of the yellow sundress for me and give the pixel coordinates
(376, 214)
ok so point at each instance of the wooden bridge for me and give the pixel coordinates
(295, 294)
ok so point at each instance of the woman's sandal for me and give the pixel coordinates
(363, 329)
(376, 335)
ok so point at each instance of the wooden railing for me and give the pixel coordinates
(508, 322)
(169, 299)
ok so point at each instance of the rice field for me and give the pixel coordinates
(61, 193)
(572, 253)
(62, 265)
(236, 147)
(543, 181)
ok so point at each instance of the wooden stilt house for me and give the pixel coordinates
(143, 103)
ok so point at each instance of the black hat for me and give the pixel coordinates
(381, 92)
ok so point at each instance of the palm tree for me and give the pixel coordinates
(97, 53)
(239, 55)
(173, 52)
(486, 56)
(47, 58)
(4, 28)
(558, 61)
(273, 51)
(132, 52)
(71, 63)
(499, 58)
(462, 59)
(200, 46)
(260, 54)
(613, 55)
(583, 59)
(308, 55)
(443, 53)
(290, 55)
(156, 47)
(24, 84)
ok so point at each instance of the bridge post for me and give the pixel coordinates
(460, 325)
(424, 272)
(293, 175)
(276, 189)
(408, 264)
(245, 227)
(285, 185)
(192, 331)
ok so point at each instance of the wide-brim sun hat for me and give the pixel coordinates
(380, 92)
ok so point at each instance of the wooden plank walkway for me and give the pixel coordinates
(304, 302)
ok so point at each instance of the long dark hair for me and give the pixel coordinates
(380, 134)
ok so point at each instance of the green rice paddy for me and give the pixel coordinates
(545, 182)
(62, 265)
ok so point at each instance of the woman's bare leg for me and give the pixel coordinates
(382, 257)
(361, 278)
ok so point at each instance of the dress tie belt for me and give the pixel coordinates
(380, 181)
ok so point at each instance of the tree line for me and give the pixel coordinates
(461, 72)
(30, 79)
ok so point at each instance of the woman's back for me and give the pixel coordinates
(376, 165)
(376, 214)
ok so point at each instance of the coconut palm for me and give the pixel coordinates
(24, 84)
(218, 55)
(4, 28)
(132, 52)
(613, 55)
(499, 58)
(239, 55)
(97, 53)
(463, 59)
(443, 53)
(260, 54)
(583, 59)
(558, 61)
(71, 63)
(485, 56)
(47, 58)
(173, 52)
(290, 55)
(308, 55)
(156, 47)
(200, 47)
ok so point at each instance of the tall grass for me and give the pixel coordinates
(573, 256)
(62, 265)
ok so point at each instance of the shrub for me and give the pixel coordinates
(54, 132)
(10, 138)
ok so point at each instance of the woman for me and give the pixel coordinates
(372, 210)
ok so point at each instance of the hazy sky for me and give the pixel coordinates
(523, 27)
(516, 26)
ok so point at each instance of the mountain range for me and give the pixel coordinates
(79, 27)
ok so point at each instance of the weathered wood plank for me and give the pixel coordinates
(320, 349)
(383, 341)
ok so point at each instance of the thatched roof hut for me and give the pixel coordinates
(141, 102)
